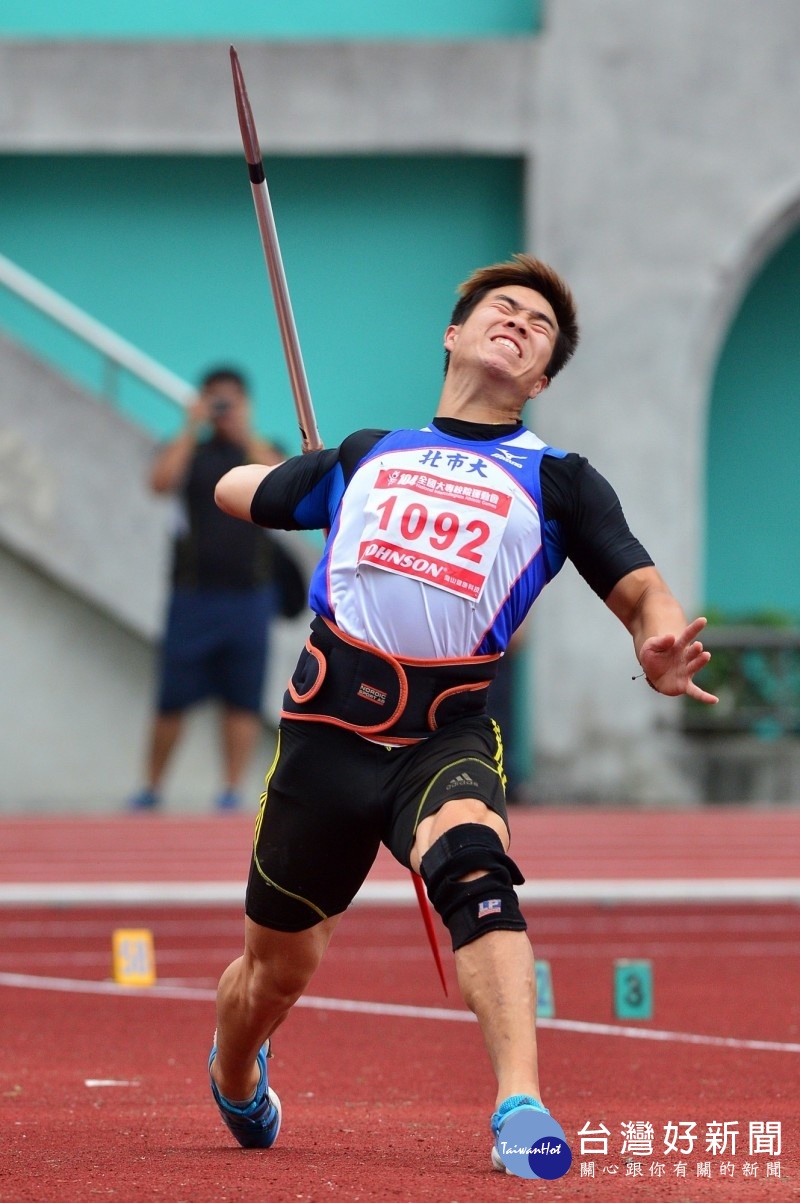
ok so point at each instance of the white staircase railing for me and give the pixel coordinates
(116, 351)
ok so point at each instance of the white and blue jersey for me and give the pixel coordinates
(440, 543)
(436, 549)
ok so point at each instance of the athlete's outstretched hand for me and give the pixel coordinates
(671, 661)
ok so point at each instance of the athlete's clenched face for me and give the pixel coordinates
(510, 333)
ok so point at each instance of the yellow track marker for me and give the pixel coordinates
(134, 959)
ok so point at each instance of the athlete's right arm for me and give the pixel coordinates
(302, 493)
(274, 496)
(234, 491)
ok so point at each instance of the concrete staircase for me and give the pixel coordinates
(83, 562)
(74, 502)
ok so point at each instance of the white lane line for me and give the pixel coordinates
(397, 1010)
(401, 893)
(608, 1029)
(108, 1082)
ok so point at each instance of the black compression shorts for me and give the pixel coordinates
(332, 797)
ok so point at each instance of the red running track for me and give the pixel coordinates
(105, 1095)
(721, 843)
(103, 1091)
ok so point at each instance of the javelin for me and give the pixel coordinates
(309, 433)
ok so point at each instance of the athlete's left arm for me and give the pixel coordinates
(666, 645)
(599, 542)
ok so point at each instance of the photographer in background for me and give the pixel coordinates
(222, 597)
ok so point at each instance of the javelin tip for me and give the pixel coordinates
(252, 150)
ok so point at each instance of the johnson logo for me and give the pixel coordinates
(396, 558)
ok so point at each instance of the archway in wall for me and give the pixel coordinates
(753, 498)
(753, 534)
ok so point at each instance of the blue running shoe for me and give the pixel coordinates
(146, 799)
(228, 800)
(517, 1102)
(257, 1125)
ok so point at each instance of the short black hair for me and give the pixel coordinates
(224, 374)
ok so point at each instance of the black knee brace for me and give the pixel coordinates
(469, 909)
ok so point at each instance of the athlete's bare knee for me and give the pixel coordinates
(279, 965)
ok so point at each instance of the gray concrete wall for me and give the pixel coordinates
(308, 97)
(665, 162)
(75, 708)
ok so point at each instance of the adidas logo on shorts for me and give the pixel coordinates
(461, 779)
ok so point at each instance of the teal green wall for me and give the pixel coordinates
(165, 251)
(753, 532)
(247, 19)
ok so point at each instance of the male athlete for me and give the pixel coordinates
(440, 541)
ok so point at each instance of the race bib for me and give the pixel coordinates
(444, 530)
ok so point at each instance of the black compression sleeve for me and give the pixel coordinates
(276, 499)
(596, 535)
(281, 491)
(355, 447)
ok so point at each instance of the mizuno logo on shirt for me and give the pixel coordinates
(508, 457)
